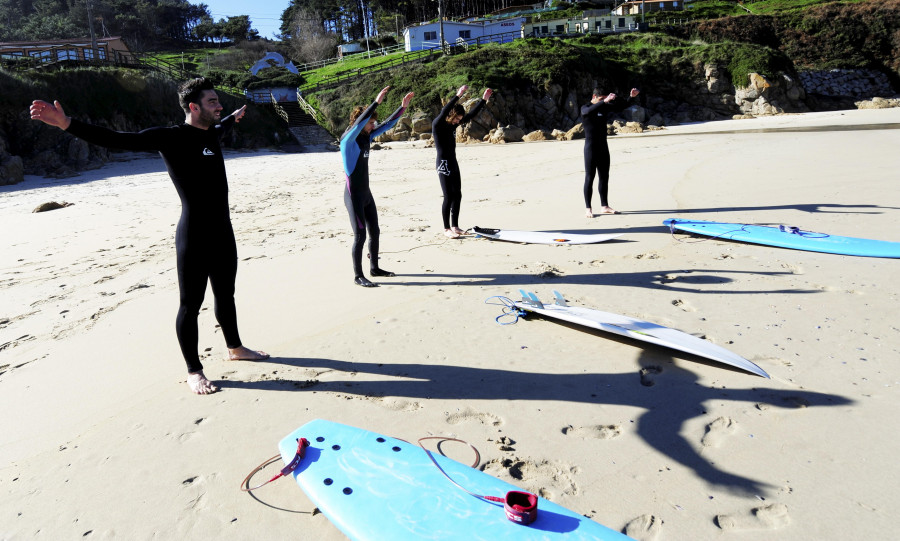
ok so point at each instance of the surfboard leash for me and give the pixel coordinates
(520, 507)
(302, 444)
(509, 309)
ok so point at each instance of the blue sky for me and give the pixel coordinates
(265, 15)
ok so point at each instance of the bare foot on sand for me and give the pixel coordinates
(451, 233)
(457, 230)
(244, 354)
(588, 213)
(609, 210)
(199, 384)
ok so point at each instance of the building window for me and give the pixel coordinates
(465, 34)
(43, 55)
(430, 35)
(560, 28)
(621, 22)
(545, 29)
(67, 54)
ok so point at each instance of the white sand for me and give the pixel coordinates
(100, 433)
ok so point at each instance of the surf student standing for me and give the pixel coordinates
(596, 151)
(204, 239)
(355, 144)
(443, 130)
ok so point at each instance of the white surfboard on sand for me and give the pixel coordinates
(541, 237)
(634, 328)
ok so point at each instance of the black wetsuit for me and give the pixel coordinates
(444, 135)
(596, 152)
(355, 144)
(204, 239)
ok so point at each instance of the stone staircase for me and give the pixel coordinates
(310, 136)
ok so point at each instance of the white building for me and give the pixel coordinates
(427, 36)
(590, 23)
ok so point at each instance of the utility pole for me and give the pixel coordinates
(441, 22)
(90, 10)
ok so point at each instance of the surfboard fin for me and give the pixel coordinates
(535, 300)
(560, 300)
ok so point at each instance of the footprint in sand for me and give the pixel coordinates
(643, 528)
(647, 375)
(397, 404)
(683, 305)
(544, 478)
(717, 431)
(471, 415)
(600, 432)
(767, 517)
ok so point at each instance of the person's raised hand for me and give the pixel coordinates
(50, 114)
(407, 98)
(382, 94)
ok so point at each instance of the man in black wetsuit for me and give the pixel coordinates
(204, 239)
(443, 130)
(596, 152)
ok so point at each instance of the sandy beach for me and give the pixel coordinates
(101, 438)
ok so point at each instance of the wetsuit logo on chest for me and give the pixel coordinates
(208, 152)
(366, 154)
(443, 168)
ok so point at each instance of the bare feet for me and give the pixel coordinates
(588, 213)
(244, 354)
(609, 210)
(457, 230)
(451, 233)
(199, 384)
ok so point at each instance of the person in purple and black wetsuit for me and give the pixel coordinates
(358, 199)
(596, 152)
(443, 130)
(204, 239)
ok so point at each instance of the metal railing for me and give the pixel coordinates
(461, 45)
(383, 51)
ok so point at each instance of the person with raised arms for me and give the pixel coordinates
(355, 144)
(443, 130)
(596, 151)
(204, 239)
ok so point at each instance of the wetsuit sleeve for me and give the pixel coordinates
(591, 108)
(146, 140)
(349, 148)
(448, 107)
(389, 122)
(354, 129)
(224, 127)
(473, 113)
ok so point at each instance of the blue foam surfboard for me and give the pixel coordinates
(788, 237)
(374, 487)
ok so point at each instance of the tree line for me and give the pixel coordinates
(143, 24)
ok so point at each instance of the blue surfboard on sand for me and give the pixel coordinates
(788, 237)
(374, 487)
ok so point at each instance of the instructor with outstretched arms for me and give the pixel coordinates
(443, 130)
(596, 152)
(355, 144)
(204, 239)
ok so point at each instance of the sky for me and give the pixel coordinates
(265, 15)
